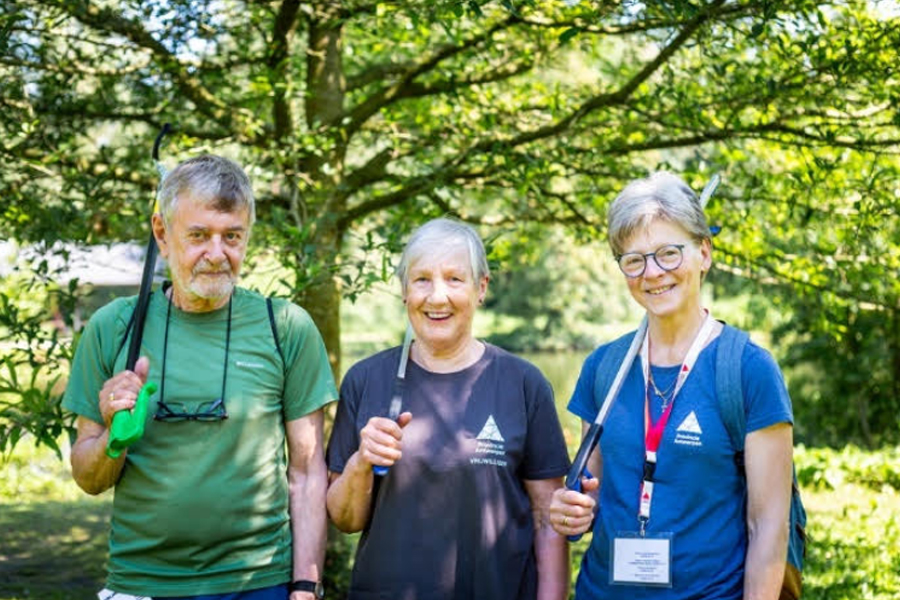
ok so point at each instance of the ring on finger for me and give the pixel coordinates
(566, 521)
(112, 396)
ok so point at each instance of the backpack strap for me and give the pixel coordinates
(125, 335)
(729, 389)
(274, 328)
(609, 366)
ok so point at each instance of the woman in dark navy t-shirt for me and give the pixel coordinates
(474, 456)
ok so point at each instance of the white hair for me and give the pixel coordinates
(436, 236)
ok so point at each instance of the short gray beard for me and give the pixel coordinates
(211, 290)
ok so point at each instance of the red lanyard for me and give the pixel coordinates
(653, 432)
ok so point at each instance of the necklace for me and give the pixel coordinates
(664, 396)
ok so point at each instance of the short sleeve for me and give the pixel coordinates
(546, 455)
(309, 384)
(344, 439)
(95, 358)
(582, 403)
(767, 399)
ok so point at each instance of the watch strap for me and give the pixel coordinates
(306, 585)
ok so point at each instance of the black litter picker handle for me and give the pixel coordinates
(127, 426)
(140, 310)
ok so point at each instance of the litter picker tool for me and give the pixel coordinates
(399, 383)
(128, 426)
(592, 437)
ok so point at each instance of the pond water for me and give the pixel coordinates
(562, 369)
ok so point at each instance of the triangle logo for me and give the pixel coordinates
(490, 431)
(690, 424)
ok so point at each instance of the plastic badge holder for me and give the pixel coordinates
(128, 426)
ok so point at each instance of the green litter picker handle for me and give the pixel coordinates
(128, 425)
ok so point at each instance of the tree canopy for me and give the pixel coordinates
(360, 119)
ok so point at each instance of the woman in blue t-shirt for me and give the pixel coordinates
(673, 517)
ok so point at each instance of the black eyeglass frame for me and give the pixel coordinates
(654, 255)
(217, 410)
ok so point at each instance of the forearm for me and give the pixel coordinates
(767, 461)
(552, 552)
(92, 469)
(308, 521)
(349, 498)
(764, 566)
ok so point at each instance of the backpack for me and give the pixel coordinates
(731, 408)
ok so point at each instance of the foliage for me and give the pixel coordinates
(559, 300)
(34, 361)
(358, 120)
(827, 265)
(825, 469)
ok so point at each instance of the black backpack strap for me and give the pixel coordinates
(127, 331)
(729, 387)
(609, 366)
(274, 328)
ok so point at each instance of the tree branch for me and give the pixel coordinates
(389, 94)
(779, 277)
(602, 100)
(585, 26)
(374, 170)
(111, 21)
(285, 23)
(421, 184)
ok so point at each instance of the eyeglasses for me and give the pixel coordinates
(668, 257)
(179, 411)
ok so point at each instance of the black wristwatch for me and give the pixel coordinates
(305, 585)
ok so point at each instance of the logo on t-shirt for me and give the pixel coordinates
(490, 447)
(689, 432)
(490, 431)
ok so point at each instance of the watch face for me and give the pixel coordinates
(320, 590)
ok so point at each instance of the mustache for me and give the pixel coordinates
(208, 268)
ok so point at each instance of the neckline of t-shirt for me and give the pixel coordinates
(161, 303)
(488, 355)
(668, 368)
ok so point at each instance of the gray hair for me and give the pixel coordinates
(216, 182)
(662, 195)
(435, 236)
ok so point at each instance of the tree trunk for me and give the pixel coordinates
(323, 303)
(324, 107)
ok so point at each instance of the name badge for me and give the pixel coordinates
(641, 560)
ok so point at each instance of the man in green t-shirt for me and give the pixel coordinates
(224, 495)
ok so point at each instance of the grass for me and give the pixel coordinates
(53, 540)
(53, 549)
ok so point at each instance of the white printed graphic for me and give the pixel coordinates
(248, 365)
(490, 431)
(490, 447)
(690, 424)
(688, 433)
